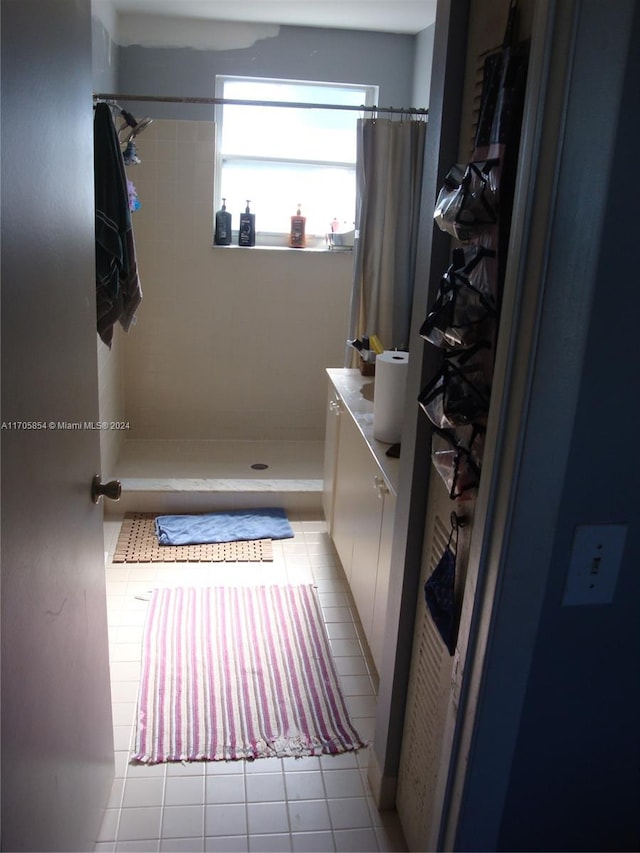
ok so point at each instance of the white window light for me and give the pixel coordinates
(279, 157)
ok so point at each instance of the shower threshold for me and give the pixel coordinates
(200, 476)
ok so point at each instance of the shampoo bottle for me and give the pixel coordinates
(247, 230)
(222, 236)
(297, 235)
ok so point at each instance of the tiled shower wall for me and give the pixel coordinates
(111, 400)
(229, 342)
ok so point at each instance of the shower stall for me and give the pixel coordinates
(215, 398)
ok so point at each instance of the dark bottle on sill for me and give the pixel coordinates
(247, 230)
(222, 235)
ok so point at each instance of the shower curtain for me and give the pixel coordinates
(389, 180)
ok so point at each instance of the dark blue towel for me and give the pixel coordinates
(235, 526)
(118, 289)
(439, 591)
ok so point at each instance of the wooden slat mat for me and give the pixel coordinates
(138, 543)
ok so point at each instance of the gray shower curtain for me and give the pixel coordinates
(389, 180)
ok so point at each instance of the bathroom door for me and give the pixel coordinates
(57, 742)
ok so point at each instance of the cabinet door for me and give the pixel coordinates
(366, 537)
(331, 438)
(382, 581)
(346, 490)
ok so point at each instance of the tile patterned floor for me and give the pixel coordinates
(308, 804)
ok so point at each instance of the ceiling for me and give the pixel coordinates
(396, 16)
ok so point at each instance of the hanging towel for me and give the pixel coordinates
(118, 291)
(235, 526)
(439, 592)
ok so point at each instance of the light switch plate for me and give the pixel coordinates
(594, 565)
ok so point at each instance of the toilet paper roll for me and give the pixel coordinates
(389, 393)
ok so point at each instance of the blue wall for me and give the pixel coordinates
(305, 53)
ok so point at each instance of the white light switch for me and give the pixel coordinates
(595, 561)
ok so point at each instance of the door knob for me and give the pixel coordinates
(111, 490)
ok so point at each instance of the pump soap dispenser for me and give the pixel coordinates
(222, 236)
(297, 238)
(247, 231)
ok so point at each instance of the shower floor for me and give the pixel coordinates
(178, 476)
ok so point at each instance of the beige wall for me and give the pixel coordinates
(229, 342)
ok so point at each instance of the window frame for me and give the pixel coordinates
(278, 238)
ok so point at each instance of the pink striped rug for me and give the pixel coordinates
(238, 672)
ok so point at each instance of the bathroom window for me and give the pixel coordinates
(279, 157)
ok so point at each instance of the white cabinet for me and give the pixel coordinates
(346, 491)
(376, 642)
(360, 482)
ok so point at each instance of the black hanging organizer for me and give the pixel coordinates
(474, 206)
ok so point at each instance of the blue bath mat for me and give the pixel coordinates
(234, 526)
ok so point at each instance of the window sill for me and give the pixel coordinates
(266, 247)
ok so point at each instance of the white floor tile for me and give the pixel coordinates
(183, 821)
(356, 841)
(227, 844)
(115, 797)
(186, 768)
(276, 843)
(342, 631)
(184, 790)
(357, 685)
(345, 648)
(312, 842)
(365, 726)
(298, 765)
(309, 815)
(304, 786)
(145, 771)
(139, 824)
(126, 652)
(265, 787)
(137, 846)
(123, 713)
(267, 818)
(264, 765)
(361, 706)
(225, 788)
(125, 671)
(182, 845)
(225, 819)
(109, 828)
(350, 813)
(343, 783)
(351, 665)
(143, 792)
(341, 761)
(224, 768)
(336, 614)
(122, 737)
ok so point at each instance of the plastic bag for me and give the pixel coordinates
(459, 393)
(468, 200)
(457, 461)
(464, 301)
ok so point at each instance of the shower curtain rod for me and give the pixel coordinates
(169, 99)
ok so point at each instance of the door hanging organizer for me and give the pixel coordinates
(474, 207)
